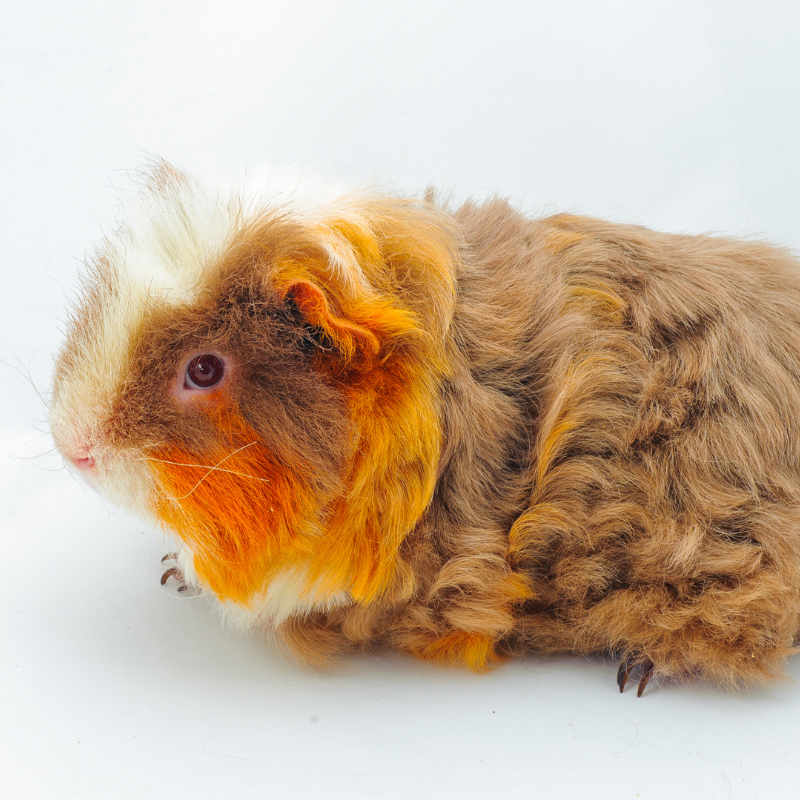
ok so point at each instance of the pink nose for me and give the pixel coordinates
(84, 464)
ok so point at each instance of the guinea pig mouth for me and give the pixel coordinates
(78, 448)
(86, 467)
(85, 464)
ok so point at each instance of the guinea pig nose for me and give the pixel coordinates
(84, 464)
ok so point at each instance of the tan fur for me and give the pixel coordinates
(581, 436)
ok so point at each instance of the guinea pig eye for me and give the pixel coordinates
(204, 372)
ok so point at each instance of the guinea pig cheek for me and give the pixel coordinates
(240, 512)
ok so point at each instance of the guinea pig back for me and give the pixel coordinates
(464, 434)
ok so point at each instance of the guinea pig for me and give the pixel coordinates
(462, 433)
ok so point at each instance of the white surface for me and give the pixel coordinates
(680, 115)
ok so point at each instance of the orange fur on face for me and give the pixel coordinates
(391, 478)
(387, 365)
(240, 511)
(245, 516)
(390, 483)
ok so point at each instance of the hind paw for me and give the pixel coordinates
(643, 667)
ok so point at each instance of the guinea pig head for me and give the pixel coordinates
(261, 376)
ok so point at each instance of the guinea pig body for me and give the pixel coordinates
(463, 434)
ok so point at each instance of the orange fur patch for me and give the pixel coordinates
(392, 393)
(518, 587)
(391, 481)
(388, 361)
(558, 240)
(476, 651)
(240, 511)
(245, 516)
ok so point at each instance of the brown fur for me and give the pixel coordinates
(615, 458)
(622, 427)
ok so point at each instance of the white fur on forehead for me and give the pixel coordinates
(180, 224)
(171, 234)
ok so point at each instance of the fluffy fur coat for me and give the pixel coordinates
(462, 434)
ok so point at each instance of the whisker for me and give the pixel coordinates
(215, 468)
(52, 451)
(211, 469)
(23, 374)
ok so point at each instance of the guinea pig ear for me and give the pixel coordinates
(352, 342)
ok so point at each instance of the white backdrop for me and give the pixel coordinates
(680, 115)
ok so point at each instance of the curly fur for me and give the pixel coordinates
(462, 434)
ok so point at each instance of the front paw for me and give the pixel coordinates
(173, 572)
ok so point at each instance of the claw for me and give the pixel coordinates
(646, 670)
(173, 572)
(624, 672)
(170, 557)
(649, 670)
